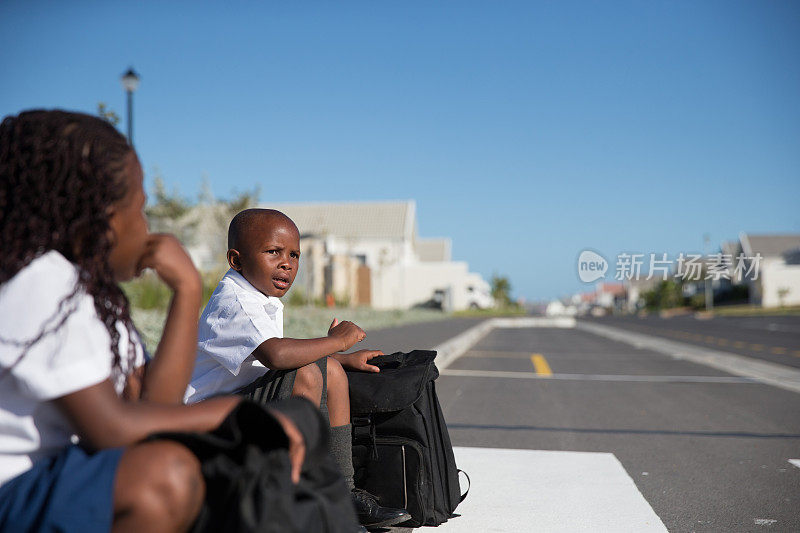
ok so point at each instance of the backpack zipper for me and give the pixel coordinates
(405, 477)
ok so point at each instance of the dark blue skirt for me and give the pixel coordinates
(73, 491)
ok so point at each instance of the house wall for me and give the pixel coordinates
(342, 277)
(776, 276)
(378, 253)
(422, 279)
(391, 285)
(311, 273)
(406, 286)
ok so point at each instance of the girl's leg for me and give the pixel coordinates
(158, 487)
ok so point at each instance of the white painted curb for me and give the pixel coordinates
(452, 349)
(782, 376)
(774, 374)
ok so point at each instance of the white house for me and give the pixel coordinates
(778, 282)
(369, 253)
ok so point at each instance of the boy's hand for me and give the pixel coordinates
(358, 360)
(166, 255)
(297, 446)
(333, 325)
(347, 332)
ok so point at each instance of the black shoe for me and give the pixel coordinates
(370, 514)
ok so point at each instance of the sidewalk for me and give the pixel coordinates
(419, 336)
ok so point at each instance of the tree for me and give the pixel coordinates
(501, 290)
(666, 295)
(106, 113)
(167, 205)
(201, 224)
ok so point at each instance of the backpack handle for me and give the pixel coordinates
(469, 485)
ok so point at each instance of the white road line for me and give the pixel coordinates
(795, 462)
(452, 349)
(595, 377)
(533, 490)
(774, 374)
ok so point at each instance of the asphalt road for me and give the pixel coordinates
(420, 336)
(775, 338)
(707, 455)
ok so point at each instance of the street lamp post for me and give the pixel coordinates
(709, 288)
(130, 82)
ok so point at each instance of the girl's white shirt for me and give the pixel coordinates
(71, 357)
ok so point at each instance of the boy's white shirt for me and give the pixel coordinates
(236, 320)
(75, 356)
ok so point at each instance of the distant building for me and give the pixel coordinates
(635, 289)
(778, 282)
(369, 253)
(610, 295)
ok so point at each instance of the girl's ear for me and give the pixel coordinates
(233, 260)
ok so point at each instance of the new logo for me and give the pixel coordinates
(591, 266)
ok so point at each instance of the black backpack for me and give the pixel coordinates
(248, 479)
(401, 448)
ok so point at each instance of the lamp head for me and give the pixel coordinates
(130, 80)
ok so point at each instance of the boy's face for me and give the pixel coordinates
(268, 255)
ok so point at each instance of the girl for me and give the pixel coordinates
(72, 226)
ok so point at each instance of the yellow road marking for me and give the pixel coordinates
(757, 347)
(710, 338)
(778, 350)
(722, 342)
(797, 353)
(738, 344)
(697, 337)
(540, 365)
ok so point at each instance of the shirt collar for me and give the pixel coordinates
(242, 282)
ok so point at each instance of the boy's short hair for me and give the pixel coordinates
(245, 220)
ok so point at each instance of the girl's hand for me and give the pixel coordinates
(297, 446)
(358, 360)
(166, 255)
(347, 332)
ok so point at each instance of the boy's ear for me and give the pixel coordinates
(233, 260)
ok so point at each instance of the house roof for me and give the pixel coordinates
(617, 289)
(769, 245)
(372, 220)
(730, 247)
(432, 249)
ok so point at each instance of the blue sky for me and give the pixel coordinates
(525, 131)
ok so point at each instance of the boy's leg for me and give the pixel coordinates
(338, 393)
(369, 512)
(308, 383)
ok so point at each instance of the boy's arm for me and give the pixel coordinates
(356, 360)
(285, 354)
(168, 374)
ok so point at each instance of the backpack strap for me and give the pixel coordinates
(469, 485)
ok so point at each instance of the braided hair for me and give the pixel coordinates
(60, 174)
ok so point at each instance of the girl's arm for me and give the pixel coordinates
(102, 420)
(169, 372)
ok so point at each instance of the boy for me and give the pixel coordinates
(241, 348)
